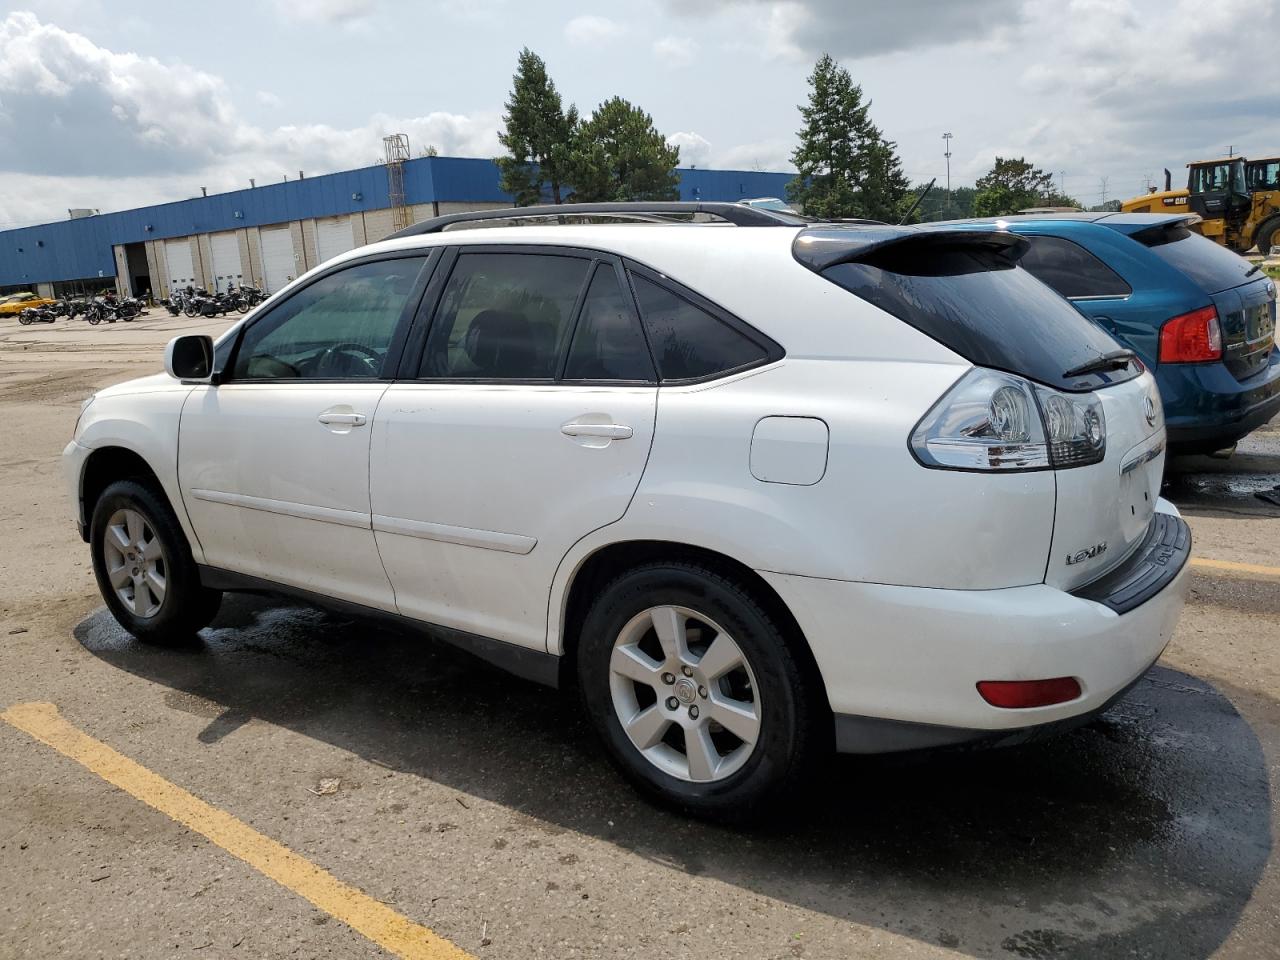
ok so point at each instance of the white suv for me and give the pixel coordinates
(757, 488)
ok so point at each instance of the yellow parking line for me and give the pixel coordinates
(375, 920)
(1230, 566)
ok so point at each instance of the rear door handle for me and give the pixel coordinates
(349, 419)
(609, 431)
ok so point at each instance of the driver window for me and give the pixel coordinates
(339, 328)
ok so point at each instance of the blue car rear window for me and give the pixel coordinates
(1212, 267)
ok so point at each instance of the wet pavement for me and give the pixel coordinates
(1141, 835)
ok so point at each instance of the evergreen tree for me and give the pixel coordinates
(846, 168)
(537, 130)
(618, 154)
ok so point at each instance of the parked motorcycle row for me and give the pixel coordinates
(108, 307)
(199, 302)
(191, 302)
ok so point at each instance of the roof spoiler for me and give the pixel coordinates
(738, 214)
(820, 247)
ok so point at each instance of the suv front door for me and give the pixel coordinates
(274, 461)
(526, 425)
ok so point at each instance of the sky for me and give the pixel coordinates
(112, 104)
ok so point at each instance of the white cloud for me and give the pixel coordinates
(161, 130)
(591, 29)
(268, 99)
(324, 11)
(772, 155)
(676, 51)
(695, 150)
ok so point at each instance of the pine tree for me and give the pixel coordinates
(537, 128)
(846, 167)
(618, 154)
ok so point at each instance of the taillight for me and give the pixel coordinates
(1022, 694)
(990, 420)
(1194, 337)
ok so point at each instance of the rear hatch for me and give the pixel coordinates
(1243, 296)
(965, 289)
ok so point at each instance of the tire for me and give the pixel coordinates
(791, 722)
(94, 318)
(242, 305)
(1268, 234)
(132, 513)
(24, 320)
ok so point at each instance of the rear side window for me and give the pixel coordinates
(978, 302)
(1071, 269)
(608, 343)
(1212, 267)
(688, 342)
(504, 316)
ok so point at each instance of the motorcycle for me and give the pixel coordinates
(246, 297)
(36, 315)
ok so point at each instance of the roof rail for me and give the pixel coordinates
(656, 211)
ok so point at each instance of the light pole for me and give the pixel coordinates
(946, 139)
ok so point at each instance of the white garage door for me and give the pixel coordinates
(226, 259)
(177, 255)
(333, 237)
(277, 258)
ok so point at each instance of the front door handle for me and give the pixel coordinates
(346, 419)
(608, 431)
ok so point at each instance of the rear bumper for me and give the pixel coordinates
(901, 664)
(1206, 408)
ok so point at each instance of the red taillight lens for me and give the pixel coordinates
(1020, 694)
(1194, 337)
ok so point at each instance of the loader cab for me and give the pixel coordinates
(1218, 188)
(1263, 175)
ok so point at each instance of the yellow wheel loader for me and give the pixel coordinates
(1238, 201)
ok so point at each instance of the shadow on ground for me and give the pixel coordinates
(1141, 835)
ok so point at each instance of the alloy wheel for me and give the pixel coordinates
(685, 694)
(135, 562)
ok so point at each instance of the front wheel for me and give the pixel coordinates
(24, 319)
(697, 693)
(94, 318)
(144, 566)
(1267, 235)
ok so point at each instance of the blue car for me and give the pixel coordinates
(1201, 317)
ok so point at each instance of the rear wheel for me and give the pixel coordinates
(696, 693)
(144, 566)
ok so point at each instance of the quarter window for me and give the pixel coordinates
(688, 342)
(1071, 269)
(608, 343)
(338, 328)
(504, 316)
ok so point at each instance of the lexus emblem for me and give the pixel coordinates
(1149, 408)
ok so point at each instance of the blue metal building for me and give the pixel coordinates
(123, 246)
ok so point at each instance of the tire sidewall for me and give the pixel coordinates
(778, 683)
(185, 601)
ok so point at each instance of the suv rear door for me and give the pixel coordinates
(525, 425)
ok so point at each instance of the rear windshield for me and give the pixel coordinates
(1210, 266)
(978, 302)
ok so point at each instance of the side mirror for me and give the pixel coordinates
(190, 358)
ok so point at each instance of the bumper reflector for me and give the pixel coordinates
(1020, 694)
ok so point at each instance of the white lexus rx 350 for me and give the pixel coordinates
(756, 489)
